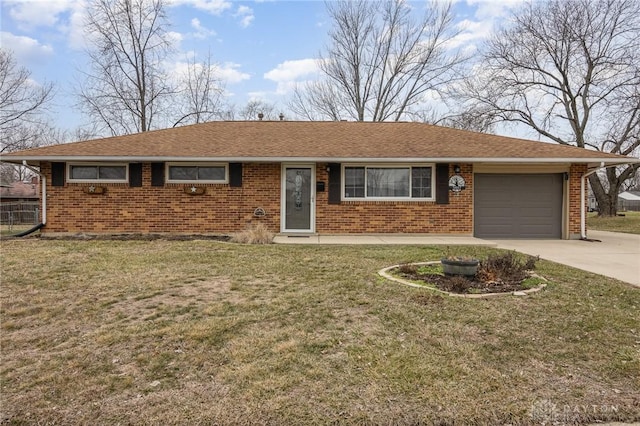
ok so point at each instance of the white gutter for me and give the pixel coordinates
(43, 184)
(583, 214)
(268, 159)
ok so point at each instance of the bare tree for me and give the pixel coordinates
(380, 62)
(201, 92)
(126, 86)
(569, 70)
(633, 183)
(317, 100)
(255, 107)
(22, 104)
(471, 119)
(83, 133)
(250, 111)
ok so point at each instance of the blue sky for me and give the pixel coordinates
(262, 47)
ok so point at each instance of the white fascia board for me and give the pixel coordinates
(136, 159)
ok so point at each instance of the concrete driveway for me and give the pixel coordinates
(617, 255)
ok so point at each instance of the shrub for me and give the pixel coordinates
(505, 267)
(258, 234)
(408, 268)
(457, 284)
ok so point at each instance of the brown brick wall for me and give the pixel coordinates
(576, 171)
(148, 209)
(223, 209)
(397, 217)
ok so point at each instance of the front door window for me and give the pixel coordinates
(298, 202)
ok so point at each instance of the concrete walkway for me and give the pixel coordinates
(615, 255)
(383, 239)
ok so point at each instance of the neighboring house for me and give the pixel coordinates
(316, 177)
(19, 202)
(592, 202)
(20, 191)
(629, 200)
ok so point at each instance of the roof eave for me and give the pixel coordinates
(592, 162)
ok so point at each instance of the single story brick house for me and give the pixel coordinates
(315, 177)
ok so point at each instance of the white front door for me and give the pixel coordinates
(298, 198)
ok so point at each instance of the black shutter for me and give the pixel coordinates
(442, 183)
(235, 174)
(335, 188)
(135, 174)
(57, 174)
(157, 174)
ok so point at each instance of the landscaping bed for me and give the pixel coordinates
(499, 273)
(134, 237)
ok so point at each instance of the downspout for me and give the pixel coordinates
(43, 184)
(583, 214)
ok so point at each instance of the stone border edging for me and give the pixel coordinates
(383, 273)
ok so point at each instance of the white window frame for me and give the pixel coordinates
(389, 166)
(98, 180)
(196, 181)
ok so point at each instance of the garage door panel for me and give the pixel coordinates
(497, 213)
(518, 206)
(536, 214)
(533, 229)
(533, 199)
(501, 232)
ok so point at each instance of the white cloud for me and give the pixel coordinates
(471, 33)
(201, 31)
(291, 73)
(259, 96)
(31, 14)
(292, 70)
(230, 73)
(492, 9)
(214, 7)
(65, 16)
(175, 38)
(179, 70)
(246, 21)
(487, 15)
(74, 28)
(27, 50)
(246, 16)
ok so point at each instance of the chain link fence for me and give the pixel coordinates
(17, 214)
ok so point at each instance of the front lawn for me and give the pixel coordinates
(204, 332)
(629, 223)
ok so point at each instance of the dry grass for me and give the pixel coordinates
(257, 234)
(629, 223)
(202, 332)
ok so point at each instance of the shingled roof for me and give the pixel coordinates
(314, 141)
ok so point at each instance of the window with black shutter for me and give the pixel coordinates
(157, 174)
(135, 175)
(335, 188)
(235, 174)
(57, 174)
(442, 183)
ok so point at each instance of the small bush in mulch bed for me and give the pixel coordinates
(499, 273)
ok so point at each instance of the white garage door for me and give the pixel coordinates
(518, 205)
